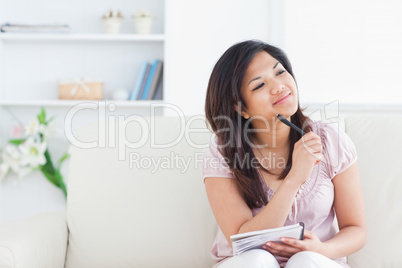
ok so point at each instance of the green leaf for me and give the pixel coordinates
(60, 182)
(63, 158)
(49, 164)
(49, 176)
(42, 116)
(50, 120)
(17, 141)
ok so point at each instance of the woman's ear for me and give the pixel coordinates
(241, 111)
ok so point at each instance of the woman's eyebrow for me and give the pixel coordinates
(258, 77)
(276, 64)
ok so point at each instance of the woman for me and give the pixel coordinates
(269, 176)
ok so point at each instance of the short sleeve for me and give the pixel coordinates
(214, 164)
(338, 150)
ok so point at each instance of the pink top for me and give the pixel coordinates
(313, 204)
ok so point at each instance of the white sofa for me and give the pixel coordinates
(122, 216)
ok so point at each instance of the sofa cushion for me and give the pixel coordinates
(378, 148)
(122, 211)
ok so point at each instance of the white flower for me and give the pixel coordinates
(46, 131)
(12, 159)
(33, 152)
(4, 168)
(33, 128)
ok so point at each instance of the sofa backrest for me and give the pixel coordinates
(122, 216)
(378, 146)
(123, 210)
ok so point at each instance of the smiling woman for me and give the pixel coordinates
(250, 84)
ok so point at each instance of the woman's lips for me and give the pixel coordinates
(283, 100)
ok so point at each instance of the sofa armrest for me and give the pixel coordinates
(37, 241)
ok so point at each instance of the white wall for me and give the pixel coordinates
(198, 33)
(345, 50)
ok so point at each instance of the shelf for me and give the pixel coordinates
(81, 37)
(70, 103)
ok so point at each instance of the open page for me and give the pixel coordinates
(252, 240)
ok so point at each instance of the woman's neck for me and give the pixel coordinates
(274, 138)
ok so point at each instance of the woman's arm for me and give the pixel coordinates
(234, 216)
(231, 211)
(349, 208)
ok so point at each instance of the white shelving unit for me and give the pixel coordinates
(32, 64)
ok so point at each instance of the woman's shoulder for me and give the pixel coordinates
(331, 133)
(338, 149)
(213, 149)
(214, 164)
(328, 130)
(326, 127)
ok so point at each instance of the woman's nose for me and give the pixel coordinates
(277, 87)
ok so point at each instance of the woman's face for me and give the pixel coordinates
(268, 89)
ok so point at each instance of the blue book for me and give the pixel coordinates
(155, 81)
(149, 80)
(140, 77)
(144, 81)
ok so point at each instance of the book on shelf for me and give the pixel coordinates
(149, 79)
(159, 92)
(144, 81)
(148, 85)
(155, 81)
(140, 77)
(254, 240)
(35, 28)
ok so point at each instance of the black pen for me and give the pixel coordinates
(290, 124)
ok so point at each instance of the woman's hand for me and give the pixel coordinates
(307, 151)
(292, 246)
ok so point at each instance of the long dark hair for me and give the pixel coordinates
(223, 93)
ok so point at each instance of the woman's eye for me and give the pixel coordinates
(259, 86)
(280, 72)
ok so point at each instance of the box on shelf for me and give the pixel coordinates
(80, 89)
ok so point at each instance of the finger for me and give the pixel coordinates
(318, 156)
(308, 234)
(313, 147)
(296, 244)
(312, 143)
(282, 247)
(310, 136)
